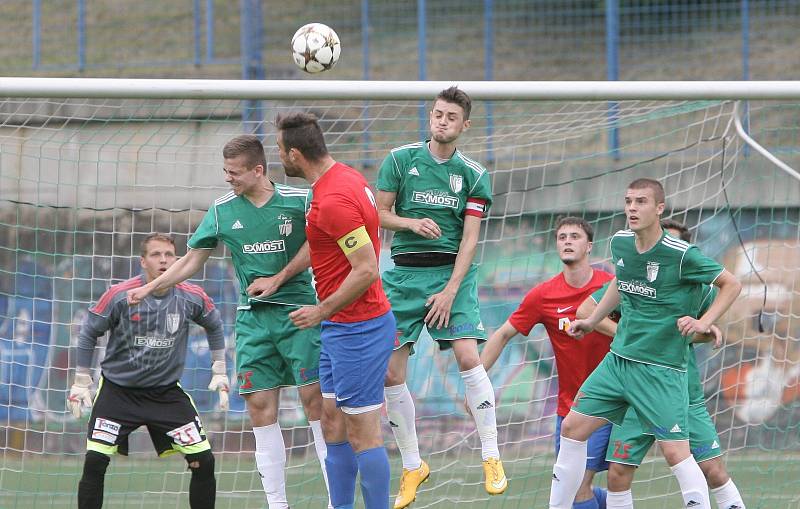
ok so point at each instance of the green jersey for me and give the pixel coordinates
(444, 192)
(656, 288)
(262, 240)
(709, 293)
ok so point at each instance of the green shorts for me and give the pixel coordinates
(271, 351)
(629, 444)
(408, 288)
(658, 395)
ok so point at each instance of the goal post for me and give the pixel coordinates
(88, 167)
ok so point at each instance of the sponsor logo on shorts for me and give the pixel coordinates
(306, 373)
(188, 434)
(637, 288)
(268, 246)
(621, 450)
(103, 436)
(704, 449)
(244, 380)
(462, 328)
(106, 425)
(435, 197)
(153, 342)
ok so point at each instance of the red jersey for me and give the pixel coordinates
(342, 203)
(554, 304)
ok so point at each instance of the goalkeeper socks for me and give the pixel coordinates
(590, 503)
(480, 398)
(600, 494)
(271, 463)
(692, 483)
(567, 473)
(90, 487)
(727, 496)
(322, 451)
(342, 470)
(373, 465)
(402, 418)
(619, 500)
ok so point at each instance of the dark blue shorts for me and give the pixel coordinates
(595, 448)
(353, 360)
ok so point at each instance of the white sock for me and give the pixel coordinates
(727, 496)
(402, 419)
(567, 473)
(271, 463)
(322, 451)
(619, 499)
(692, 483)
(480, 398)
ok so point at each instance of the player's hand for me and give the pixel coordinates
(307, 316)
(137, 295)
(717, 332)
(79, 394)
(689, 326)
(426, 227)
(220, 383)
(264, 286)
(579, 328)
(439, 312)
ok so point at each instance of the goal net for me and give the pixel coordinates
(84, 179)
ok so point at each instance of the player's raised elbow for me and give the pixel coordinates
(730, 283)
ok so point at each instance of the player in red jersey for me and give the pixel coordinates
(358, 326)
(554, 304)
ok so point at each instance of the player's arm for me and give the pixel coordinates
(440, 303)
(266, 286)
(497, 341)
(605, 326)
(607, 304)
(357, 247)
(424, 227)
(180, 271)
(729, 288)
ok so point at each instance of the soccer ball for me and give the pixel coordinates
(315, 47)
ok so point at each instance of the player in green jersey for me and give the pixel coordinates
(263, 226)
(659, 287)
(433, 197)
(628, 444)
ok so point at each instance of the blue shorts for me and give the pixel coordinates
(353, 360)
(595, 448)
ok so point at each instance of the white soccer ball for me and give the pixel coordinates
(315, 47)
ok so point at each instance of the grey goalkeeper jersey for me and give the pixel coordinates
(147, 343)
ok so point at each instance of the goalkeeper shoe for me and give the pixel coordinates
(496, 482)
(409, 482)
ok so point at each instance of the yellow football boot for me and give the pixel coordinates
(409, 482)
(496, 482)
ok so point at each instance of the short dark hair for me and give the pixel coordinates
(655, 185)
(672, 224)
(456, 96)
(154, 236)
(580, 222)
(249, 146)
(302, 131)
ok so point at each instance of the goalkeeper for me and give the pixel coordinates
(144, 359)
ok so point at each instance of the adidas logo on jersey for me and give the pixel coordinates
(413, 171)
(237, 225)
(620, 263)
(486, 404)
(675, 429)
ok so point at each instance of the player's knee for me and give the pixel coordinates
(201, 464)
(94, 467)
(620, 477)
(715, 473)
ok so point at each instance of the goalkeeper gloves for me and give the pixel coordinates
(79, 394)
(220, 383)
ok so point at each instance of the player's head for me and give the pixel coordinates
(300, 141)
(574, 237)
(157, 254)
(677, 229)
(450, 115)
(245, 164)
(644, 203)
